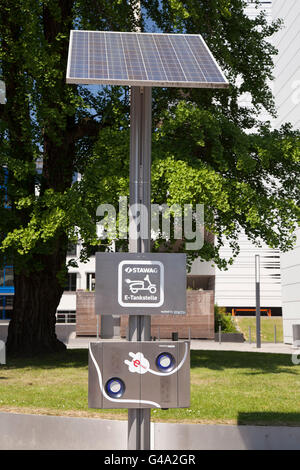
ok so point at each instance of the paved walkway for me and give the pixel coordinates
(265, 347)
(83, 342)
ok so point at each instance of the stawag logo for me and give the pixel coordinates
(140, 283)
(141, 270)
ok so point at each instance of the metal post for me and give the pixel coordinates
(220, 334)
(249, 334)
(257, 295)
(275, 334)
(140, 235)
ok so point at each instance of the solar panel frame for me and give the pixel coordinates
(150, 59)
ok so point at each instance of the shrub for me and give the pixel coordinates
(225, 320)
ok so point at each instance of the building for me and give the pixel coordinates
(287, 97)
(81, 278)
(235, 288)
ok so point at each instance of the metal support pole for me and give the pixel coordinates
(140, 235)
(257, 295)
(249, 334)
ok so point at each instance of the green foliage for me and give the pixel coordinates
(45, 120)
(225, 386)
(225, 320)
(207, 147)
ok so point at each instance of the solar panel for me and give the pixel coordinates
(142, 59)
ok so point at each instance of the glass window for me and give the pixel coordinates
(8, 277)
(71, 249)
(90, 281)
(68, 316)
(71, 282)
(6, 307)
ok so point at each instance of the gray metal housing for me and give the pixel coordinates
(146, 386)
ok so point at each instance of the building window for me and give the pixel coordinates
(66, 316)
(6, 306)
(71, 282)
(71, 249)
(7, 276)
(90, 281)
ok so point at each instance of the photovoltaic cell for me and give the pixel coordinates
(142, 59)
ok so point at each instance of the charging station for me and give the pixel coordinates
(140, 374)
(148, 374)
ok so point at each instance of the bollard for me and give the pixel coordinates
(97, 327)
(175, 336)
(2, 352)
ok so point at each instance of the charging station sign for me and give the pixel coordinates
(140, 283)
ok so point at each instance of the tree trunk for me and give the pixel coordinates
(32, 326)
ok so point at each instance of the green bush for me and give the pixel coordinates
(225, 320)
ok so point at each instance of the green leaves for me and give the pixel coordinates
(208, 147)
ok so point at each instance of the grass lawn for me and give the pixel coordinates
(266, 326)
(226, 387)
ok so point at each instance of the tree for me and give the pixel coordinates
(45, 121)
(207, 147)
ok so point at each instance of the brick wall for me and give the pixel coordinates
(86, 320)
(199, 320)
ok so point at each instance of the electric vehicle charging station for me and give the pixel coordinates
(140, 60)
(145, 374)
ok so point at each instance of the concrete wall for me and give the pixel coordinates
(287, 70)
(290, 272)
(199, 320)
(197, 323)
(287, 99)
(37, 432)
